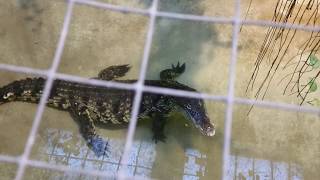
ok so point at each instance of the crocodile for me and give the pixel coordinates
(91, 105)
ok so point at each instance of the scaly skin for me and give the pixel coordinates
(90, 105)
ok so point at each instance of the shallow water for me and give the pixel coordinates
(266, 144)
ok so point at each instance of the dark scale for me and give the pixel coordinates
(90, 105)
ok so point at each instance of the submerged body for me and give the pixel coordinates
(90, 105)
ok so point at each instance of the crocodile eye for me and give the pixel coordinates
(188, 106)
(200, 104)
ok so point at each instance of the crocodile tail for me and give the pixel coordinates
(27, 90)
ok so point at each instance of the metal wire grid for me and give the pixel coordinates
(139, 87)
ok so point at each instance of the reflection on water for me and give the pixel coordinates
(192, 170)
(246, 168)
(142, 159)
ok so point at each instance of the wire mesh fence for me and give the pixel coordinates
(152, 13)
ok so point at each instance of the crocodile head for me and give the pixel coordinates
(194, 110)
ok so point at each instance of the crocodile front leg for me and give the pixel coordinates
(81, 113)
(173, 73)
(158, 124)
(159, 114)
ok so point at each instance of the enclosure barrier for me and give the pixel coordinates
(139, 86)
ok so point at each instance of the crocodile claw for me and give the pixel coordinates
(99, 146)
(159, 137)
(179, 69)
(173, 73)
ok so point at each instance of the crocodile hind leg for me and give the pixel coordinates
(113, 72)
(173, 73)
(87, 128)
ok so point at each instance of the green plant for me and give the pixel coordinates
(314, 62)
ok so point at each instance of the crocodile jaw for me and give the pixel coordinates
(208, 130)
(211, 132)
